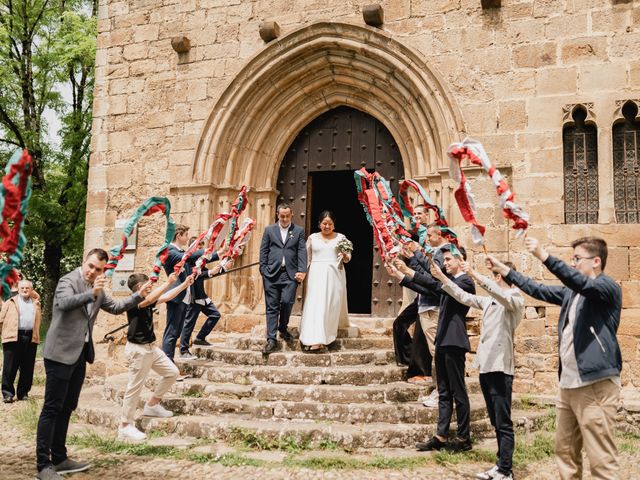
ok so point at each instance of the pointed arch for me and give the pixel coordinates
(312, 70)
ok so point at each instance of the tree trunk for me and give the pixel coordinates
(52, 258)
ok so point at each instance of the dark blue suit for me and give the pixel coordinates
(176, 307)
(193, 311)
(279, 282)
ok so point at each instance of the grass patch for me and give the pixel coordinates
(244, 438)
(541, 448)
(26, 417)
(548, 422)
(528, 403)
(39, 380)
(193, 394)
(228, 459)
(327, 444)
(349, 463)
(251, 440)
(156, 434)
(324, 463)
(628, 442)
(109, 445)
(237, 460)
(444, 457)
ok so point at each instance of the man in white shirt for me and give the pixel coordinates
(283, 265)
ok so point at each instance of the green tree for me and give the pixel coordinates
(47, 48)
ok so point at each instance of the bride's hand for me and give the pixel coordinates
(346, 258)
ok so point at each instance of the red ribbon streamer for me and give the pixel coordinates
(474, 151)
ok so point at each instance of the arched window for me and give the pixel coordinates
(580, 158)
(626, 165)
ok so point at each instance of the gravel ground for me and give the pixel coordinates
(17, 454)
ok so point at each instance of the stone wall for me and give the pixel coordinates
(503, 76)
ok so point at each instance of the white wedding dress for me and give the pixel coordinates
(325, 302)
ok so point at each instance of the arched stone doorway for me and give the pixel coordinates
(283, 88)
(316, 174)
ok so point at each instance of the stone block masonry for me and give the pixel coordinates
(501, 76)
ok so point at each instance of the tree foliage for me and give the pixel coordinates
(47, 62)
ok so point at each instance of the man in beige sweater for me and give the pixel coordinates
(20, 321)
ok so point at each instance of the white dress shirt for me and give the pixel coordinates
(283, 235)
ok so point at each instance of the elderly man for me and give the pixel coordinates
(68, 348)
(20, 321)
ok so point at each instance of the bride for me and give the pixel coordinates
(325, 303)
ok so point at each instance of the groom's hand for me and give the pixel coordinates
(300, 276)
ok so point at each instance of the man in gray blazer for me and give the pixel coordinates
(283, 264)
(78, 298)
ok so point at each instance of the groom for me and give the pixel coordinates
(283, 264)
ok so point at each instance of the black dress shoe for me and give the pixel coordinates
(23, 397)
(270, 347)
(460, 445)
(7, 399)
(286, 336)
(203, 343)
(432, 444)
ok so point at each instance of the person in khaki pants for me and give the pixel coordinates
(590, 358)
(427, 303)
(144, 356)
(20, 322)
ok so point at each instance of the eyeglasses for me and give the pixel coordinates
(577, 259)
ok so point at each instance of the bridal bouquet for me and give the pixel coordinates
(343, 247)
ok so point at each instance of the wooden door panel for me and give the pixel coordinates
(342, 139)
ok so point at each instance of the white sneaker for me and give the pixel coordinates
(502, 476)
(156, 411)
(432, 400)
(130, 434)
(489, 474)
(187, 356)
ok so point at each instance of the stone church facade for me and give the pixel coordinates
(192, 103)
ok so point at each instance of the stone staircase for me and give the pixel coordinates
(353, 396)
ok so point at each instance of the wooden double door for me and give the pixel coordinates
(316, 174)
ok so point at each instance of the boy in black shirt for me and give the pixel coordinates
(142, 355)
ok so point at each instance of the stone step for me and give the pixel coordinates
(348, 413)
(350, 332)
(362, 343)
(195, 387)
(405, 413)
(98, 411)
(295, 359)
(345, 375)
